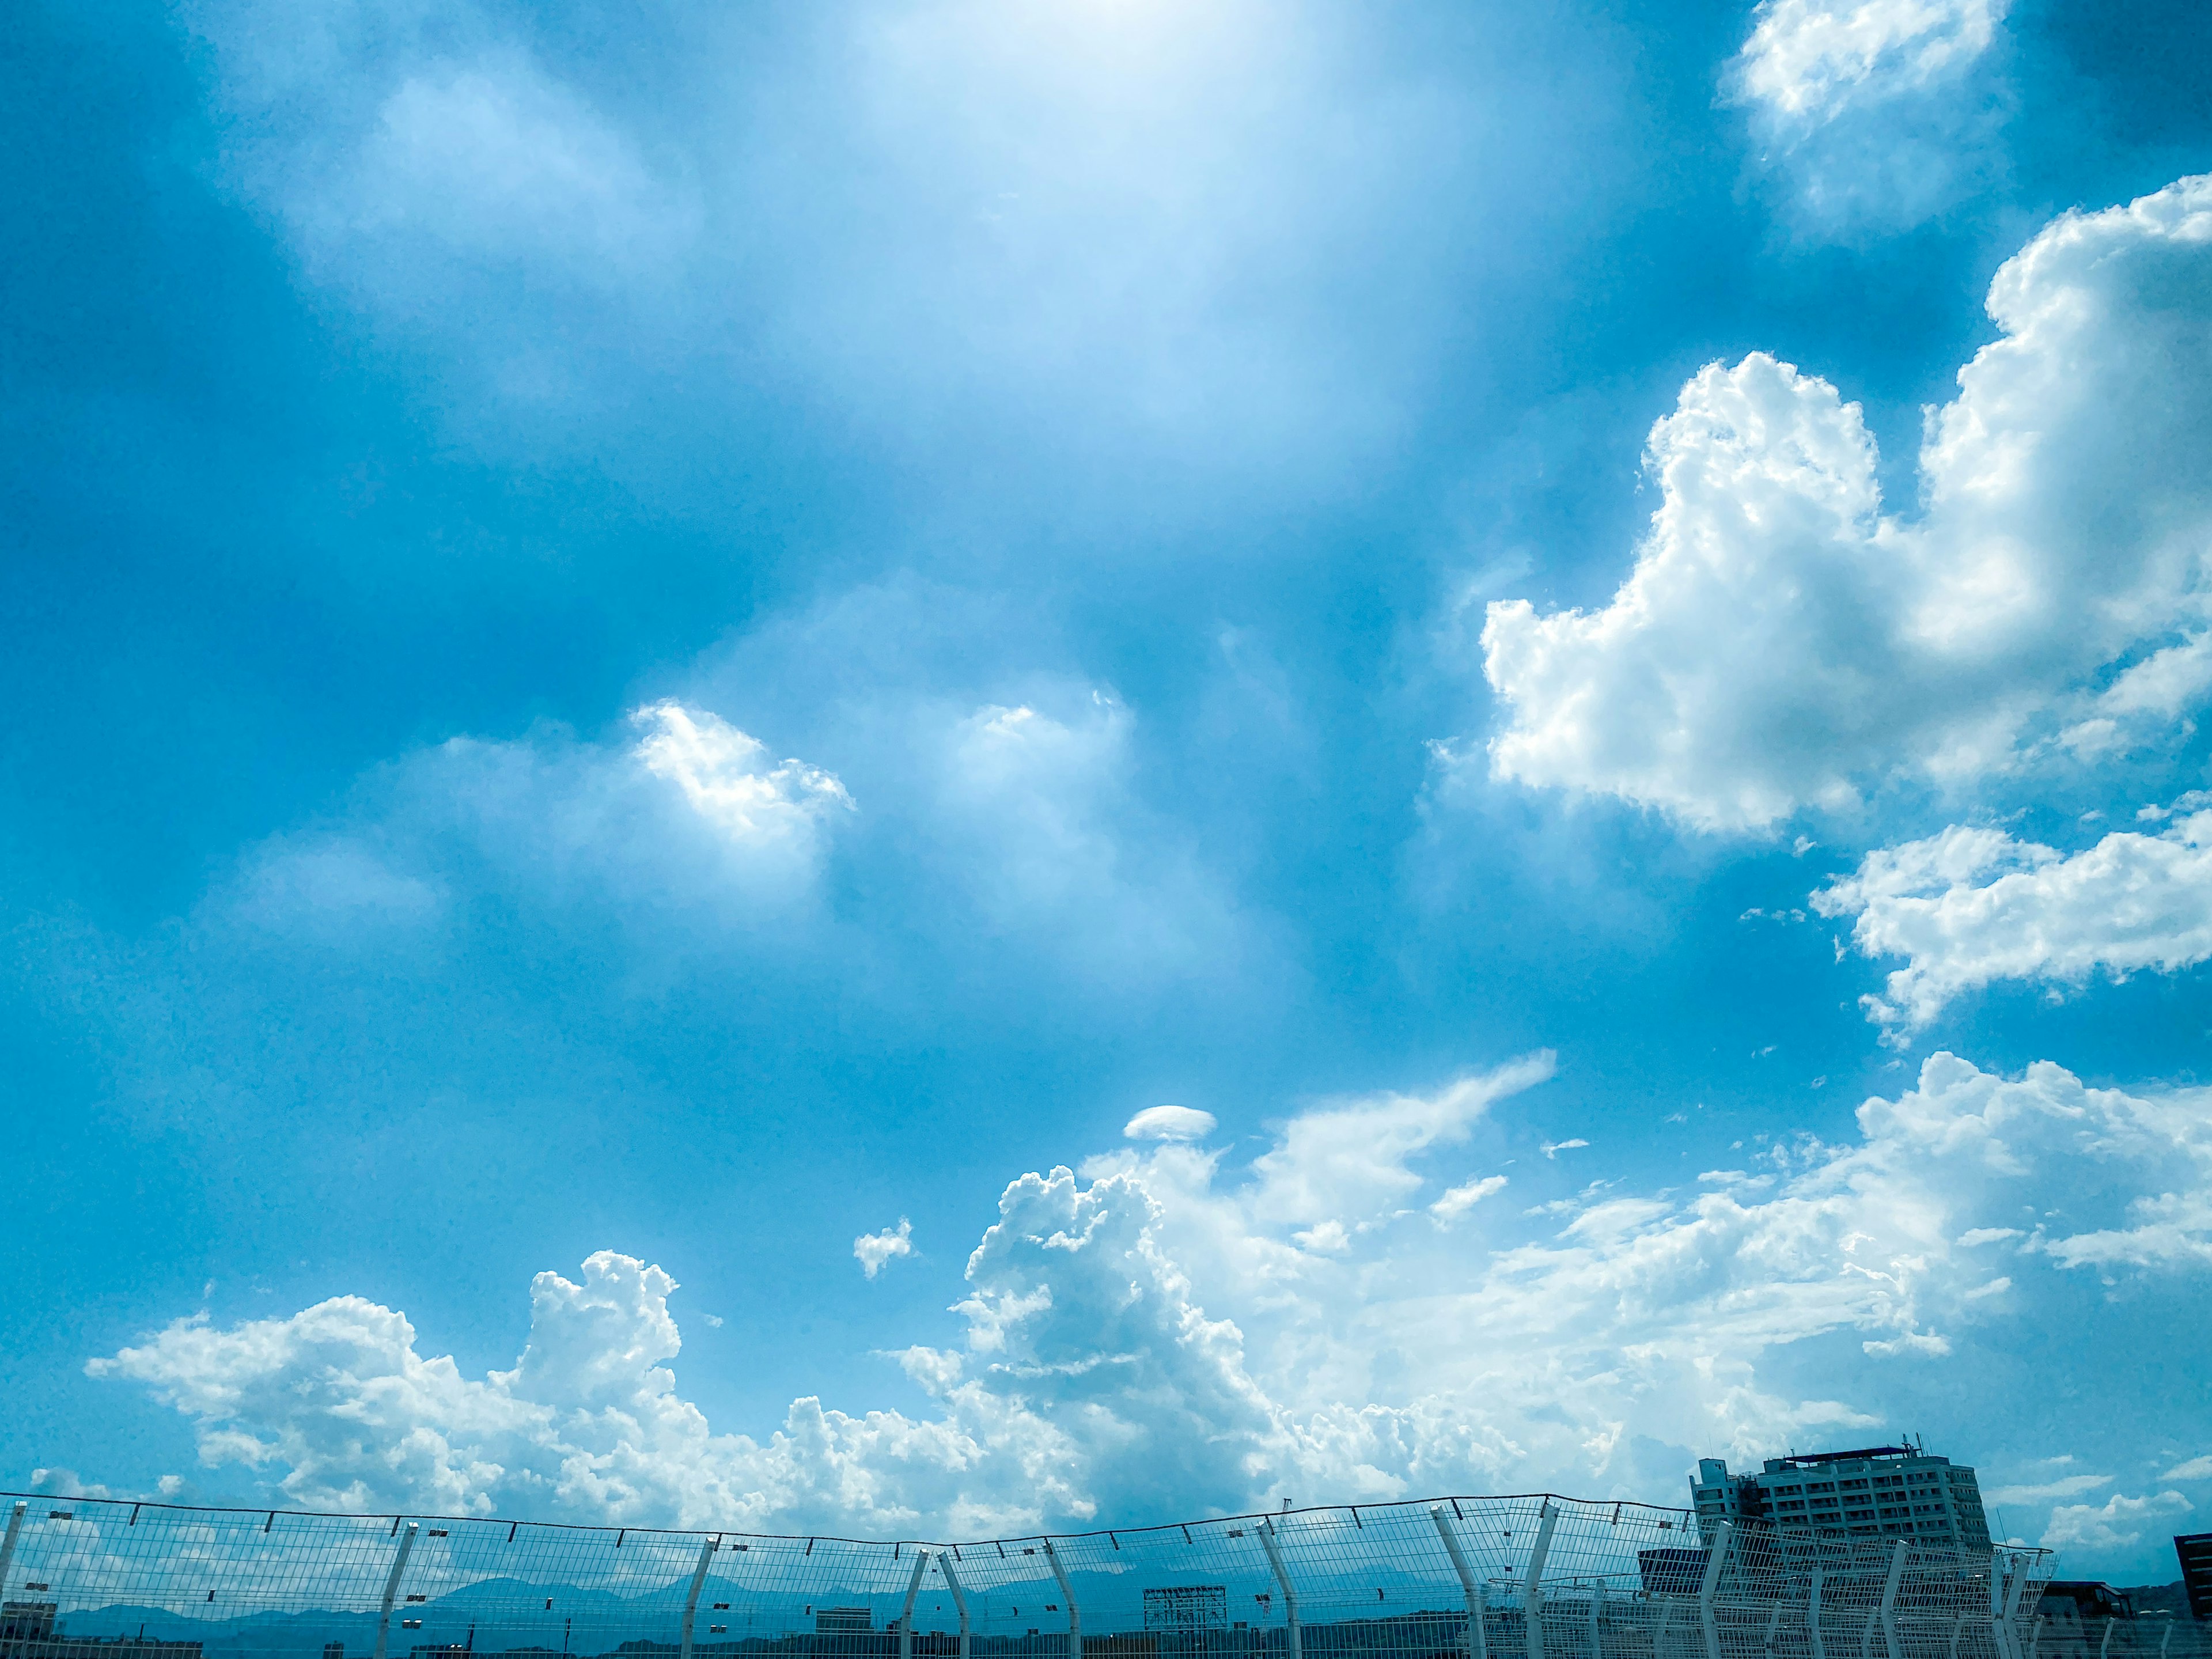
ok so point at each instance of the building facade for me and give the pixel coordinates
(1876, 1491)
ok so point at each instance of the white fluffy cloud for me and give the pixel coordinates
(1169, 1123)
(725, 774)
(1972, 906)
(873, 1250)
(1809, 61)
(2119, 1521)
(1782, 641)
(1155, 1334)
(1878, 113)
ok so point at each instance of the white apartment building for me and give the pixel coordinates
(1876, 1491)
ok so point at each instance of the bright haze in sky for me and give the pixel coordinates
(926, 769)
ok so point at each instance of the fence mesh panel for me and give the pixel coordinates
(1530, 1577)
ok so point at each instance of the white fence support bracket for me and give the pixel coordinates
(1889, 1598)
(1075, 1617)
(1710, 1585)
(1532, 1585)
(959, 1598)
(691, 1601)
(8, 1544)
(906, 1611)
(1289, 1590)
(392, 1590)
(2011, 1631)
(1478, 1640)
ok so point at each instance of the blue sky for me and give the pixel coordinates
(669, 676)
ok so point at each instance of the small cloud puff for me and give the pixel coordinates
(1169, 1123)
(722, 774)
(872, 1250)
(1554, 1148)
(1462, 1198)
(1876, 113)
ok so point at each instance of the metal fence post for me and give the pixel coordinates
(1532, 1586)
(959, 1599)
(1813, 1614)
(691, 1601)
(1074, 1614)
(1597, 1620)
(2035, 1638)
(392, 1590)
(8, 1544)
(1889, 1598)
(1710, 1586)
(1478, 1640)
(1289, 1590)
(2109, 1626)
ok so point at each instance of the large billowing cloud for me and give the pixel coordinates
(1973, 906)
(1156, 1334)
(1783, 642)
(1877, 112)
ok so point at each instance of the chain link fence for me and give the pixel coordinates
(1530, 1577)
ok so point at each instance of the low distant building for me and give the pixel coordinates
(838, 1621)
(2195, 1549)
(30, 1630)
(1872, 1492)
(2074, 1616)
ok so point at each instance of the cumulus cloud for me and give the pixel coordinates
(1973, 906)
(1155, 1332)
(2119, 1521)
(1878, 113)
(873, 1250)
(2197, 1468)
(1169, 1123)
(1782, 643)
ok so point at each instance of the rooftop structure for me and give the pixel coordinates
(1872, 1492)
(2195, 1551)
